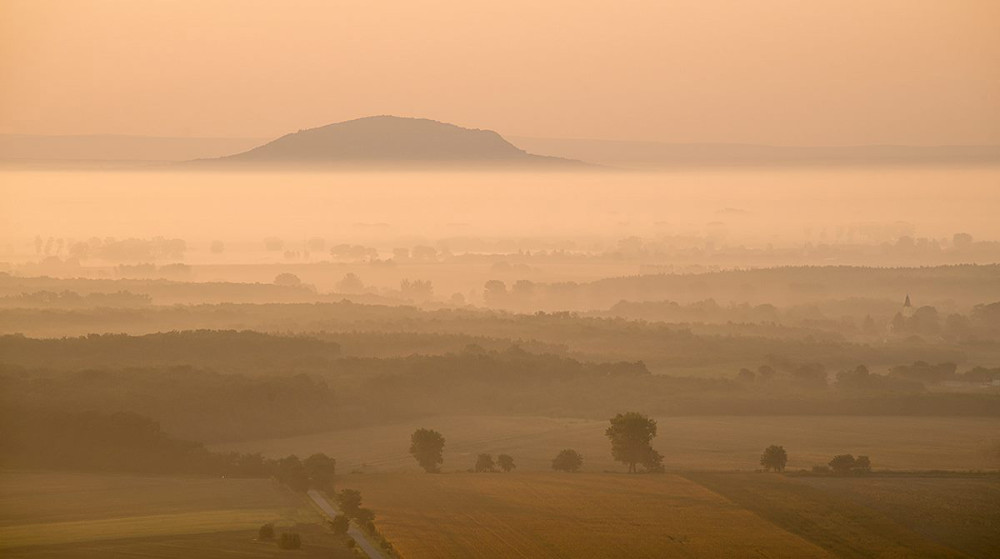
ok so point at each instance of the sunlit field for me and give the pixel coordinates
(569, 515)
(699, 515)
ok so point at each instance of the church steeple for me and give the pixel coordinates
(906, 304)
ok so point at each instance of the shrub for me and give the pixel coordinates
(266, 532)
(365, 518)
(505, 462)
(349, 501)
(290, 540)
(364, 515)
(339, 524)
(350, 543)
(567, 460)
(484, 463)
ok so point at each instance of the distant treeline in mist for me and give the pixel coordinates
(130, 442)
(962, 285)
(228, 390)
(367, 331)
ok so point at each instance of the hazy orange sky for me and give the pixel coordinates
(763, 71)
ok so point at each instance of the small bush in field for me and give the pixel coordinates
(339, 524)
(266, 532)
(290, 540)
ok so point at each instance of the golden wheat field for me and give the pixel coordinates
(567, 515)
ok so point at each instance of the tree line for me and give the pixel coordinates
(630, 434)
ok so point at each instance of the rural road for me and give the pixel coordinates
(353, 530)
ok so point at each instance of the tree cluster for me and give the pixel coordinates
(845, 464)
(485, 463)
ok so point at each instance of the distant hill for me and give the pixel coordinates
(389, 140)
(383, 140)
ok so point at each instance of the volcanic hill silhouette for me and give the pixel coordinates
(381, 140)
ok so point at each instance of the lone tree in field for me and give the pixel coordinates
(774, 458)
(567, 460)
(427, 446)
(631, 434)
(485, 463)
(505, 462)
(862, 465)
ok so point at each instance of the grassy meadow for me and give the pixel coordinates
(57, 514)
(688, 443)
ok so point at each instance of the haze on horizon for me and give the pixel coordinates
(772, 72)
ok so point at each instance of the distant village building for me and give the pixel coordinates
(907, 307)
(898, 323)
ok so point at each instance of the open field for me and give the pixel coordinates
(317, 543)
(962, 513)
(842, 526)
(51, 514)
(567, 515)
(688, 443)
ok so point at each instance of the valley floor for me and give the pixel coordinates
(688, 443)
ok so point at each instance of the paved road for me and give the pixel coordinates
(353, 530)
